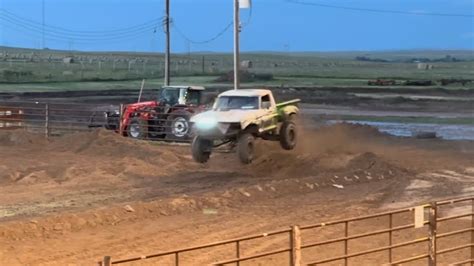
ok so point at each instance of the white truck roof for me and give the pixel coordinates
(246, 92)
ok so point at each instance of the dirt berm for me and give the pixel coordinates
(98, 155)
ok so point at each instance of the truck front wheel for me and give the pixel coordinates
(288, 135)
(201, 149)
(246, 148)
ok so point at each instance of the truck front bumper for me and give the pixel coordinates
(219, 131)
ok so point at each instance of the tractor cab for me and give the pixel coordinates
(181, 95)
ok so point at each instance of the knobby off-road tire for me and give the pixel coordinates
(288, 135)
(137, 128)
(246, 148)
(201, 149)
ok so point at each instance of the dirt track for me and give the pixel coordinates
(69, 194)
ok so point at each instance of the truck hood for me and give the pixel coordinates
(243, 117)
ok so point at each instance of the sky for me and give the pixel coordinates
(271, 25)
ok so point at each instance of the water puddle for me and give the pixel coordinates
(448, 132)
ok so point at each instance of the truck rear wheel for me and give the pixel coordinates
(137, 128)
(288, 135)
(201, 149)
(246, 148)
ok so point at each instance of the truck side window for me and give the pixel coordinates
(266, 103)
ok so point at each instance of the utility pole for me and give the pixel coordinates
(237, 5)
(168, 48)
(236, 45)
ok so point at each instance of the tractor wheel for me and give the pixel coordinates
(178, 127)
(137, 128)
(201, 149)
(288, 135)
(246, 148)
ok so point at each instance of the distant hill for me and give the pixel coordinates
(395, 55)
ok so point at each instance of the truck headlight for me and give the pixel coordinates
(206, 123)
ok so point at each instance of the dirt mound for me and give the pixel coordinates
(102, 143)
(327, 164)
(21, 137)
(86, 141)
(84, 157)
(343, 150)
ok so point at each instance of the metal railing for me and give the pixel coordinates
(51, 119)
(55, 119)
(297, 234)
(11, 118)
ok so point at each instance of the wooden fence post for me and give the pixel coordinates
(295, 246)
(120, 129)
(472, 232)
(237, 251)
(390, 237)
(346, 243)
(107, 261)
(46, 121)
(432, 226)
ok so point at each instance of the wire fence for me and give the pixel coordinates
(25, 70)
(50, 119)
(149, 121)
(421, 235)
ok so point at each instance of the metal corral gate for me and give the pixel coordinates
(49, 119)
(59, 118)
(398, 231)
(11, 118)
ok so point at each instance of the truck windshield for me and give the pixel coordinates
(236, 103)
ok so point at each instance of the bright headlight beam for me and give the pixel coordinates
(206, 123)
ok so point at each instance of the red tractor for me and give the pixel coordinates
(167, 117)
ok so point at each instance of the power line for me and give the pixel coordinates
(53, 36)
(215, 37)
(380, 10)
(35, 28)
(60, 33)
(43, 18)
(4, 14)
(249, 18)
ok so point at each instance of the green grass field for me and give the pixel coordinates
(47, 69)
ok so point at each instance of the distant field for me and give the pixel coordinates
(325, 69)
